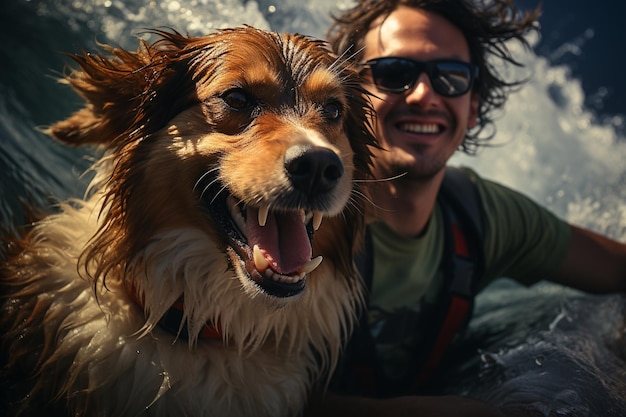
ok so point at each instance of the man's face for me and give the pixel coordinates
(418, 129)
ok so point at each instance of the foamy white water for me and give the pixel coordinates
(556, 151)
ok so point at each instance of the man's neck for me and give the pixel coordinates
(406, 205)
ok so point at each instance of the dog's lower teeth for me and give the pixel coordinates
(263, 267)
(286, 279)
(283, 278)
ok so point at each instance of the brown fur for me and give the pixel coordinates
(176, 118)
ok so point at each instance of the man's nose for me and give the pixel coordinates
(422, 91)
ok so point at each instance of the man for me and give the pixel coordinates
(426, 66)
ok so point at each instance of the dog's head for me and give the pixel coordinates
(236, 143)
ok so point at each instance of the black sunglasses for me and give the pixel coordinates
(449, 78)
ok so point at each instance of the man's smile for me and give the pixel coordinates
(421, 128)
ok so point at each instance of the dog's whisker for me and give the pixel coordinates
(374, 180)
(224, 188)
(203, 176)
(366, 198)
(352, 202)
(209, 186)
(342, 59)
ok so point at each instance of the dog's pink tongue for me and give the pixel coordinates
(283, 240)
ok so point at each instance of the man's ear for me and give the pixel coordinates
(472, 118)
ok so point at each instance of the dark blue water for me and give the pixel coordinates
(588, 37)
(545, 349)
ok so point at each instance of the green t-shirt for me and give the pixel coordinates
(523, 241)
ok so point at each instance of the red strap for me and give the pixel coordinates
(208, 331)
(459, 308)
(211, 332)
(460, 244)
(455, 318)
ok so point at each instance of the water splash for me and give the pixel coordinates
(120, 20)
(551, 147)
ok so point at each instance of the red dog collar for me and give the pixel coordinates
(173, 318)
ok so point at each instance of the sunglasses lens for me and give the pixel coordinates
(394, 75)
(451, 78)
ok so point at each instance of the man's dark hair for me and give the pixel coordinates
(486, 26)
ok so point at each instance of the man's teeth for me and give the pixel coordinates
(263, 266)
(420, 128)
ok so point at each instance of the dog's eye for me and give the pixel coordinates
(237, 99)
(332, 110)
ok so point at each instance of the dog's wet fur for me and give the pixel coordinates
(221, 155)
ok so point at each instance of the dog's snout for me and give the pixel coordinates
(313, 170)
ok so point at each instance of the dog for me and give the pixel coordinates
(208, 271)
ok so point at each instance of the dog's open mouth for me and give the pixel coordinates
(273, 246)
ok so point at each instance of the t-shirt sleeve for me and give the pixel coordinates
(523, 241)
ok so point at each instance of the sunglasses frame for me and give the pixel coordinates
(427, 67)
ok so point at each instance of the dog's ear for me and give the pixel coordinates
(127, 94)
(81, 128)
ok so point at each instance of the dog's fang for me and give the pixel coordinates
(311, 265)
(317, 219)
(263, 211)
(260, 262)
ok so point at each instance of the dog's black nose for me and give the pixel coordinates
(313, 170)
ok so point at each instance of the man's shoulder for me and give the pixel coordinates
(491, 194)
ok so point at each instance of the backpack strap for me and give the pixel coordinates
(464, 223)
(460, 193)
(462, 263)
